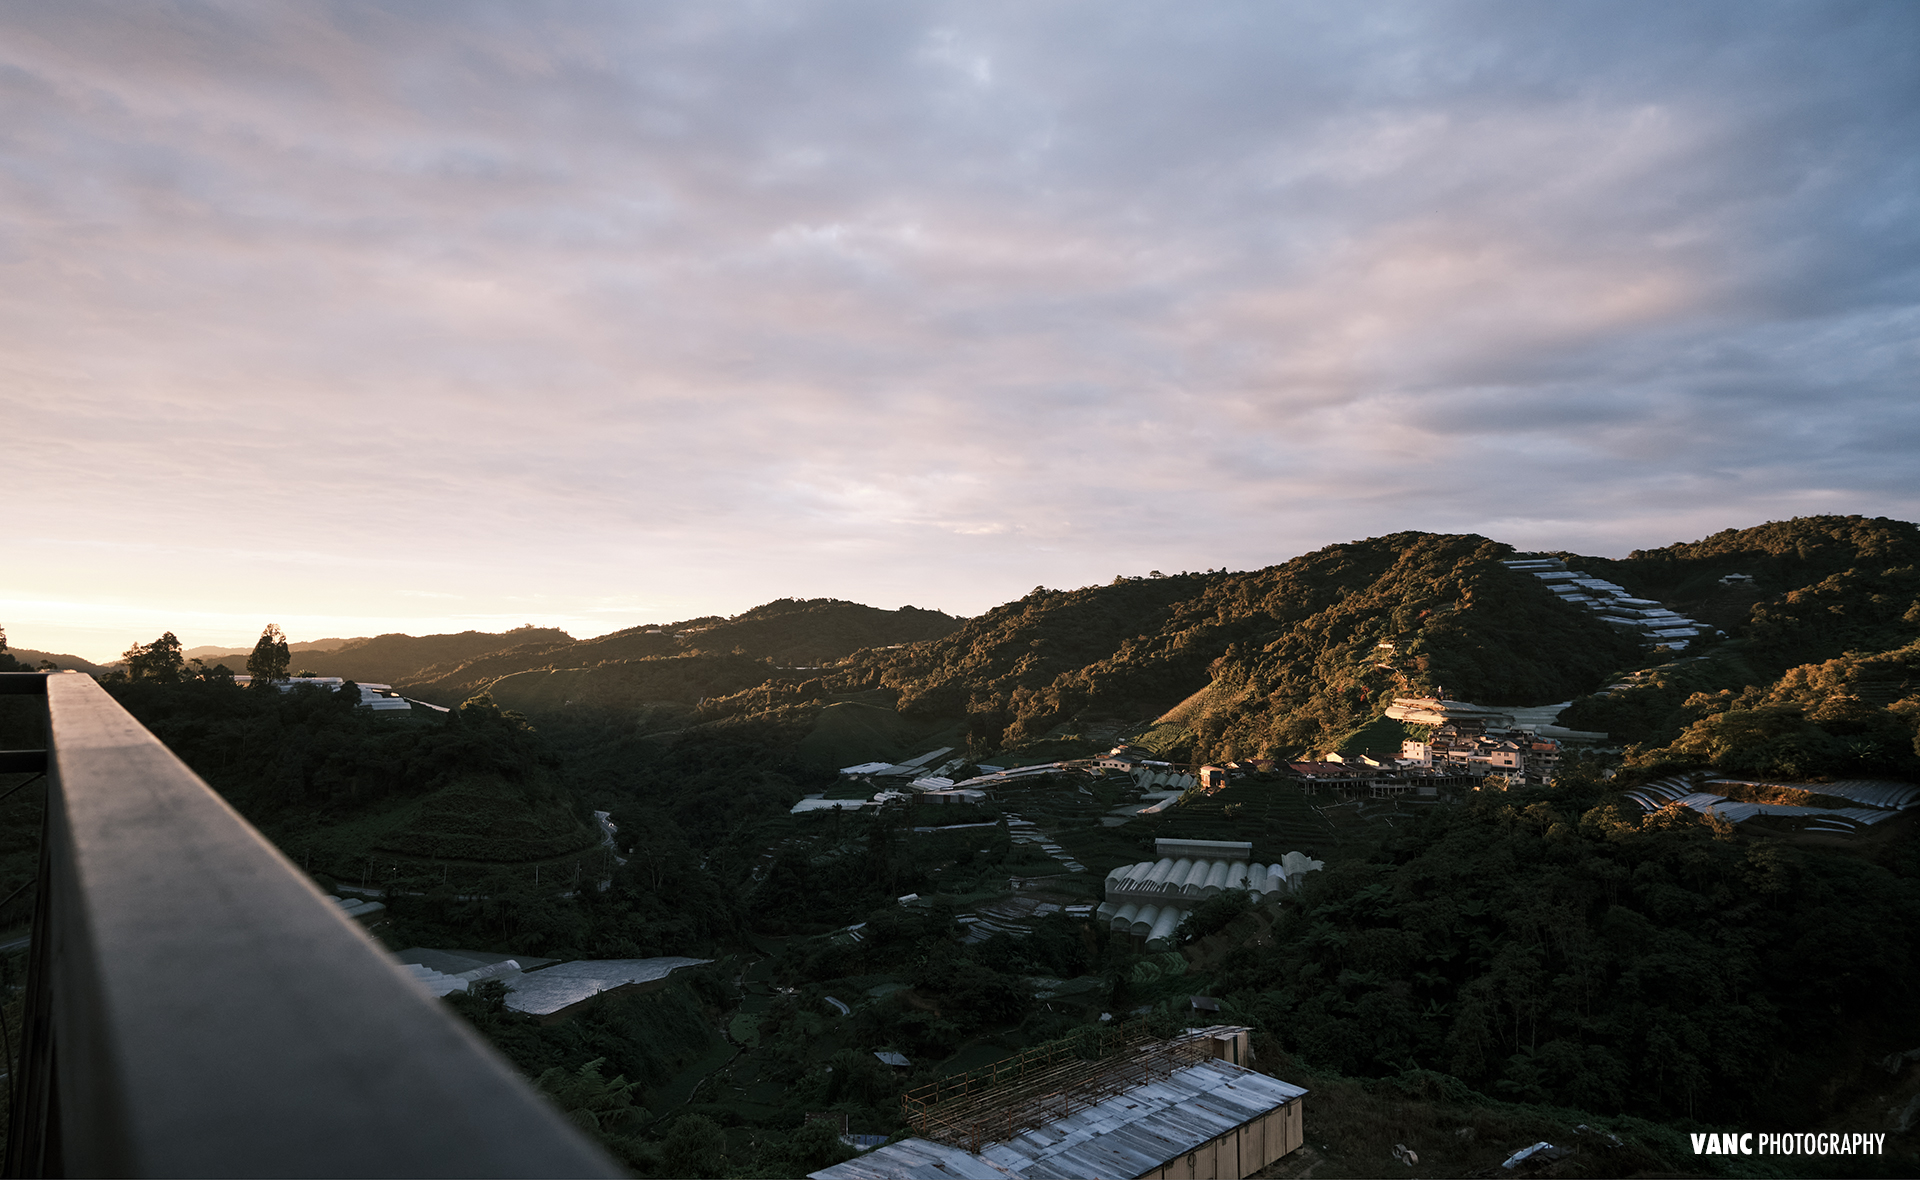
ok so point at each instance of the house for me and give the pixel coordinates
(955, 795)
(379, 697)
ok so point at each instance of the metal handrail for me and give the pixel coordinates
(196, 1007)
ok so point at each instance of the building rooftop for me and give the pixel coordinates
(1130, 1134)
(1135, 1132)
(915, 1159)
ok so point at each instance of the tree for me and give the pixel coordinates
(270, 659)
(198, 670)
(597, 1104)
(158, 661)
(695, 1146)
(816, 1145)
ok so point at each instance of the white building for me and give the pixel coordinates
(372, 696)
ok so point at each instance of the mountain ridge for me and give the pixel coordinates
(1289, 660)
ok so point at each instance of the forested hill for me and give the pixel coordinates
(791, 632)
(30, 660)
(726, 654)
(1820, 676)
(1294, 658)
(1282, 659)
(1821, 584)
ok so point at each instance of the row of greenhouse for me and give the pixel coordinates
(1192, 879)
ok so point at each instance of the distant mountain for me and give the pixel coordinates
(1822, 615)
(214, 654)
(31, 660)
(672, 663)
(402, 659)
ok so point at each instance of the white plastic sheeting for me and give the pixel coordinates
(1192, 880)
(1162, 928)
(1881, 801)
(1295, 864)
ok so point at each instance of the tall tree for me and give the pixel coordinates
(270, 659)
(159, 660)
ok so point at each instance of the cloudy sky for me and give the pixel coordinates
(370, 317)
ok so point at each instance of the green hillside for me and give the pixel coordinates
(355, 794)
(1817, 676)
(1283, 659)
(1295, 658)
(1302, 657)
(630, 684)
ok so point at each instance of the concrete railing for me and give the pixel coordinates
(196, 1007)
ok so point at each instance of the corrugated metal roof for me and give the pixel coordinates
(914, 1159)
(1139, 1130)
(1127, 1135)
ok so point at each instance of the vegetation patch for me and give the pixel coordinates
(487, 819)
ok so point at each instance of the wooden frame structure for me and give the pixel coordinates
(1046, 1082)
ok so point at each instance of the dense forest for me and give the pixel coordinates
(1546, 947)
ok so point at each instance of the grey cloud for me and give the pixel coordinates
(740, 286)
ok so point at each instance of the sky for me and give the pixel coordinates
(359, 318)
